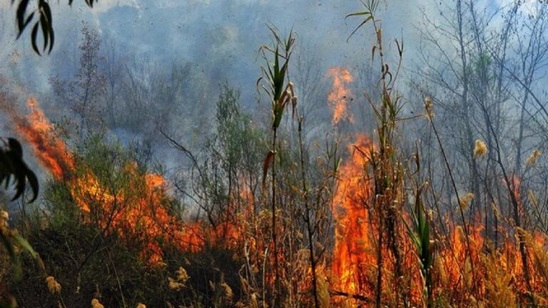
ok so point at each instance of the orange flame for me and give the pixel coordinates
(464, 265)
(138, 213)
(339, 95)
(37, 130)
(462, 269)
(351, 252)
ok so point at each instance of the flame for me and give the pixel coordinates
(464, 266)
(351, 252)
(37, 130)
(339, 95)
(462, 269)
(138, 213)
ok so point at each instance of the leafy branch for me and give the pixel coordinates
(43, 21)
(13, 165)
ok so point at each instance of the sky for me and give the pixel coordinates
(221, 38)
(199, 30)
(182, 29)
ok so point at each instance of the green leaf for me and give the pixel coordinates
(4, 238)
(45, 35)
(45, 22)
(370, 8)
(33, 181)
(400, 47)
(275, 74)
(48, 25)
(25, 245)
(359, 26)
(358, 14)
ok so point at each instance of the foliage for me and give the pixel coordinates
(83, 93)
(13, 165)
(275, 76)
(250, 246)
(231, 163)
(88, 258)
(43, 21)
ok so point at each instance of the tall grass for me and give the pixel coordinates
(386, 165)
(281, 93)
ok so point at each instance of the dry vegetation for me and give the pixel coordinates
(280, 224)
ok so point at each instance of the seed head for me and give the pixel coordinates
(173, 284)
(464, 202)
(4, 217)
(227, 291)
(182, 275)
(532, 160)
(428, 107)
(480, 149)
(53, 286)
(96, 304)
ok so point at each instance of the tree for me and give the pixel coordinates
(83, 94)
(480, 66)
(113, 67)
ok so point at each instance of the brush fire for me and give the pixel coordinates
(358, 265)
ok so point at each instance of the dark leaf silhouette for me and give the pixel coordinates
(44, 21)
(13, 166)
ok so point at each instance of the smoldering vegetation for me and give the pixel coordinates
(271, 154)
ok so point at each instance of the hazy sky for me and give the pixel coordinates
(164, 28)
(220, 37)
(198, 30)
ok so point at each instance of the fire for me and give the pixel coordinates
(139, 212)
(339, 95)
(353, 252)
(352, 220)
(463, 266)
(36, 129)
(460, 271)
